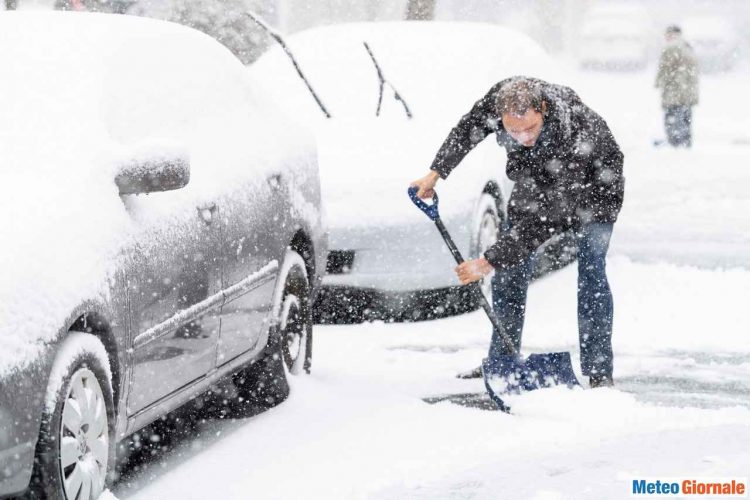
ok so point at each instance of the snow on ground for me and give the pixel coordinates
(680, 272)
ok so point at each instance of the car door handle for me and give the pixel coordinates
(207, 212)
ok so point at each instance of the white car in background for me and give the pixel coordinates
(614, 36)
(714, 40)
(386, 258)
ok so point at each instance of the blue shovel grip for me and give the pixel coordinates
(430, 211)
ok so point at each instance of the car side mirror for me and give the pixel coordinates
(152, 175)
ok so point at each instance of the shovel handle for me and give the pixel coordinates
(432, 212)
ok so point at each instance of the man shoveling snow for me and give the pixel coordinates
(567, 170)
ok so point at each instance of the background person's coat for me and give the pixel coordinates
(571, 176)
(677, 76)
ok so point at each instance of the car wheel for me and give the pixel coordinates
(293, 310)
(289, 350)
(75, 450)
(487, 227)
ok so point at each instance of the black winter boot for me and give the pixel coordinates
(473, 373)
(600, 381)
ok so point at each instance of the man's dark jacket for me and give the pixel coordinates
(571, 176)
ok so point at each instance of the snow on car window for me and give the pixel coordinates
(80, 93)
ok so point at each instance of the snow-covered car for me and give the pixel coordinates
(110, 6)
(714, 40)
(161, 233)
(614, 36)
(385, 257)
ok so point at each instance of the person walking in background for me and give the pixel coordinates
(677, 78)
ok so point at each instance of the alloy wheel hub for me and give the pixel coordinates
(84, 438)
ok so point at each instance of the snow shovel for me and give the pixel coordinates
(510, 373)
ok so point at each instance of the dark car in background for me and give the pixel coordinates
(162, 233)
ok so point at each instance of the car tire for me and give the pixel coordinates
(289, 351)
(487, 226)
(76, 446)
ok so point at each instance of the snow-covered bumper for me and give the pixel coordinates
(353, 305)
(392, 271)
(395, 258)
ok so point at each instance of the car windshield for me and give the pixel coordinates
(336, 62)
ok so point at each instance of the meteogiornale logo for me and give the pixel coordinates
(689, 487)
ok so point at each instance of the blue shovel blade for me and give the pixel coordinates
(512, 374)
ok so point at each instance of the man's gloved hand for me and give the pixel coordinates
(473, 270)
(426, 185)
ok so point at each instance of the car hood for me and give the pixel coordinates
(366, 167)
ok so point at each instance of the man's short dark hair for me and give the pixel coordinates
(673, 29)
(518, 96)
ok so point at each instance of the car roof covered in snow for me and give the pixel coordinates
(64, 73)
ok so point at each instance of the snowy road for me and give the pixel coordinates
(680, 272)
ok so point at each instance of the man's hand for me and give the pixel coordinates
(426, 185)
(473, 270)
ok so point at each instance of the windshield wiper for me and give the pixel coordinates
(383, 82)
(276, 36)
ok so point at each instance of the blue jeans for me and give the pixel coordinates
(677, 124)
(509, 289)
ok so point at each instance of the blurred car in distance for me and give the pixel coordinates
(715, 41)
(614, 36)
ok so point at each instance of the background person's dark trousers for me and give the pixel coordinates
(678, 122)
(509, 290)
